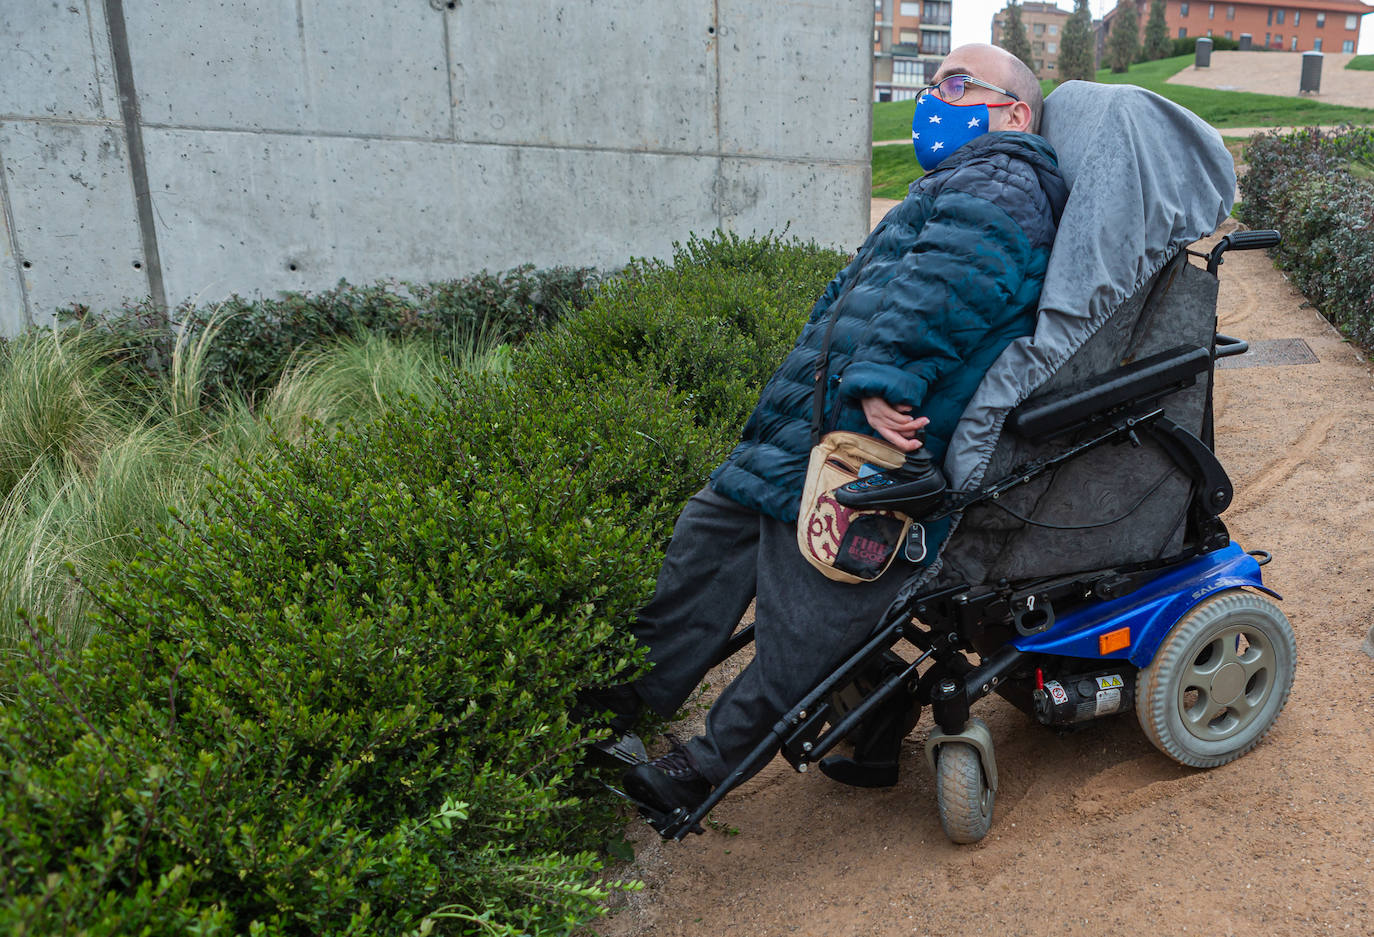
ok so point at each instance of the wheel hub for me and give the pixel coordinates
(1228, 684)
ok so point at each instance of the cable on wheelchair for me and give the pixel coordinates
(1116, 520)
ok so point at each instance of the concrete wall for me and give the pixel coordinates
(190, 150)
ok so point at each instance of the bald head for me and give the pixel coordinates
(999, 67)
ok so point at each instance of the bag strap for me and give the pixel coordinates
(822, 367)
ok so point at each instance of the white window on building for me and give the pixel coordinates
(1209, 32)
(911, 9)
(1278, 16)
(1039, 29)
(908, 72)
(1321, 20)
(1054, 30)
(1278, 41)
(1294, 46)
(1316, 45)
(1183, 32)
(1228, 34)
(1351, 22)
(909, 35)
(1348, 46)
(1211, 10)
(1183, 9)
(1297, 15)
(1051, 48)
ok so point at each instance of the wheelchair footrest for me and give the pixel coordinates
(859, 773)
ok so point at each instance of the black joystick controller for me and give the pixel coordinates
(915, 488)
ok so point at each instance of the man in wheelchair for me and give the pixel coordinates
(1078, 541)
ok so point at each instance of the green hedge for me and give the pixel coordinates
(1188, 45)
(255, 339)
(336, 702)
(1317, 190)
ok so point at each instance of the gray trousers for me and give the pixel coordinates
(721, 557)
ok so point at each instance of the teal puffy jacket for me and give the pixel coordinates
(945, 282)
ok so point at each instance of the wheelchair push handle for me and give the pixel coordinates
(1226, 346)
(1240, 241)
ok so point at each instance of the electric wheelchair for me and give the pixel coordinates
(1088, 572)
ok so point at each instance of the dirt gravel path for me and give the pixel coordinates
(1096, 832)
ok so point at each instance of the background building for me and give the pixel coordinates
(1293, 26)
(910, 38)
(183, 149)
(1044, 24)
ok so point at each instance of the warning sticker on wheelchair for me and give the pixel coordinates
(1107, 683)
(1056, 691)
(1108, 701)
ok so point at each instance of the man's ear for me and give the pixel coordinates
(1016, 117)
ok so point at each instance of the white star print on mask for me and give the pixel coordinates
(974, 122)
(938, 146)
(934, 118)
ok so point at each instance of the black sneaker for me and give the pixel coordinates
(668, 782)
(614, 707)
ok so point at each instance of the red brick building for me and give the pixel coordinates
(1291, 25)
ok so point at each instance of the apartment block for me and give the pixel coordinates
(1044, 24)
(1290, 26)
(910, 38)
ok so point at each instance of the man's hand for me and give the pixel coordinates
(895, 424)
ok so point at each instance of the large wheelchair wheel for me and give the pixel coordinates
(962, 793)
(1218, 681)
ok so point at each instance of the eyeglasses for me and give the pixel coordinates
(952, 88)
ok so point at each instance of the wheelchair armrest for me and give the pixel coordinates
(1137, 383)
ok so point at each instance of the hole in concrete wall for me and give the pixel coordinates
(452, 4)
(292, 266)
(138, 265)
(27, 265)
(710, 30)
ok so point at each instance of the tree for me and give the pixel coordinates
(1076, 55)
(1157, 45)
(1124, 44)
(1014, 38)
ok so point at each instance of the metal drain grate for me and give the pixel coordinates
(1272, 352)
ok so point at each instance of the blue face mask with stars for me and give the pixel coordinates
(939, 128)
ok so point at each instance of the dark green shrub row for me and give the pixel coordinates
(256, 338)
(1317, 190)
(1188, 45)
(336, 703)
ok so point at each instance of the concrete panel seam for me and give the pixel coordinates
(133, 137)
(95, 59)
(448, 68)
(14, 242)
(574, 147)
(62, 121)
(720, 162)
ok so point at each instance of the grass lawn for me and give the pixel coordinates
(894, 168)
(1361, 63)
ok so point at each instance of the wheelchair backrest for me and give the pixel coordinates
(1146, 179)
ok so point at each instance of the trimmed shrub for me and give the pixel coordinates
(335, 702)
(255, 340)
(1317, 190)
(714, 323)
(1188, 45)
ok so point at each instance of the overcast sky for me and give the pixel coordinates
(973, 21)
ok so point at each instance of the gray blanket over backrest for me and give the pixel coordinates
(1146, 178)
